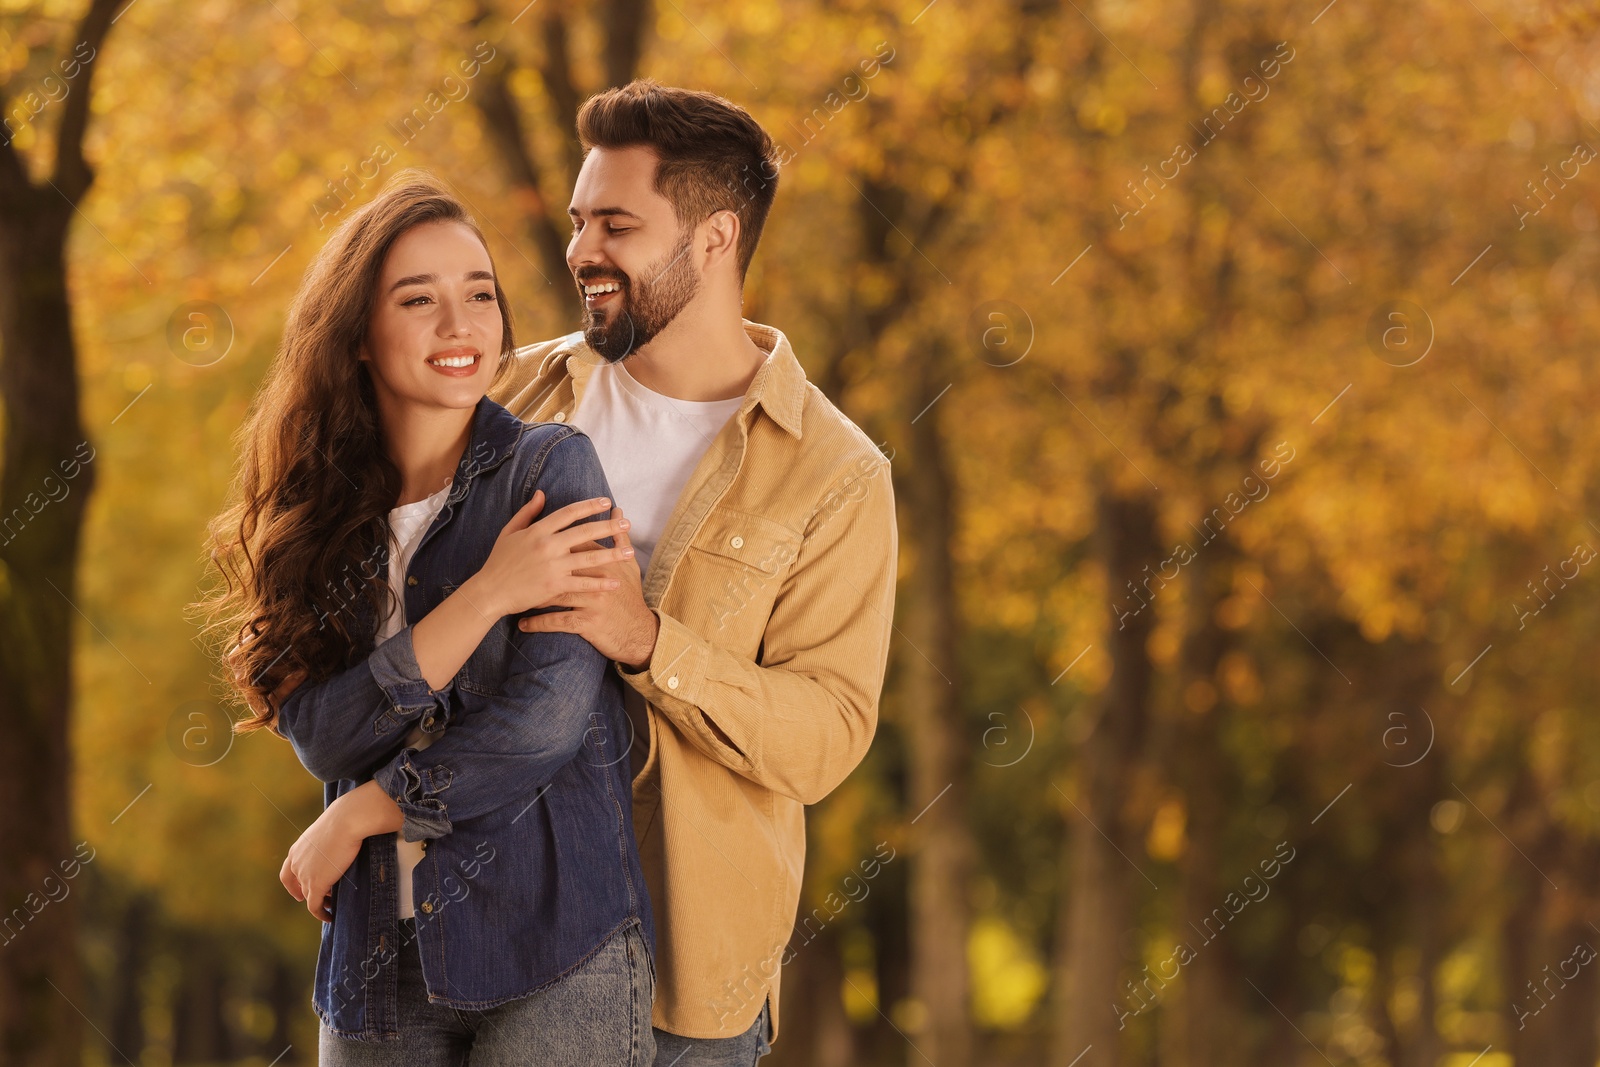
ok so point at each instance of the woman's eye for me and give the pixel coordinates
(414, 301)
(483, 296)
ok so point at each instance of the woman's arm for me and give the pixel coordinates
(502, 749)
(344, 726)
(330, 845)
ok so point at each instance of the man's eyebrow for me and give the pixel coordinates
(602, 212)
(428, 279)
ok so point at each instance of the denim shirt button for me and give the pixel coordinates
(411, 579)
(427, 907)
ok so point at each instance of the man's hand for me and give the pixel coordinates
(534, 563)
(616, 621)
(329, 846)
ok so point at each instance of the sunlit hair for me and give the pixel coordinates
(297, 551)
(713, 155)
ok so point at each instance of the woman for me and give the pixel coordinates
(372, 581)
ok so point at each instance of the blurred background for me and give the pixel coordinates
(1236, 363)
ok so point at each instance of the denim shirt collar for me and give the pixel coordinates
(491, 440)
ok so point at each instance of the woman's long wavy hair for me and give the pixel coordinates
(299, 546)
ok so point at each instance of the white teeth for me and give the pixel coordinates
(454, 361)
(603, 287)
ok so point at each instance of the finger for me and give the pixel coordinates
(584, 587)
(623, 539)
(574, 536)
(290, 881)
(525, 514)
(561, 518)
(316, 904)
(561, 622)
(600, 557)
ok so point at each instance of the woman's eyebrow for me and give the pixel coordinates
(425, 279)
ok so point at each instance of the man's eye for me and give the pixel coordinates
(617, 230)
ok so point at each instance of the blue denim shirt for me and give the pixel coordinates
(524, 796)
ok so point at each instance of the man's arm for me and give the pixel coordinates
(802, 720)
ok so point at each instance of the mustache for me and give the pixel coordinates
(598, 276)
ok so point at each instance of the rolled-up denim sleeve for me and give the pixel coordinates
(346, 725)
(503, 749)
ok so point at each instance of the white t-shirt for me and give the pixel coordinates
(407, 524)
(648, 445)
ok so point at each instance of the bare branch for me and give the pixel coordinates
(556, 73)
(503, 123)
(624, 21)
(72, 174)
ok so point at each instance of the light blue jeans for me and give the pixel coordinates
(597, 1014)
(740, 1051)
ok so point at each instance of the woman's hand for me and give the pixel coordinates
(533, 563)
(329, 846)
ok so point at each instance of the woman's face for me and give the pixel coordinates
(435, 332)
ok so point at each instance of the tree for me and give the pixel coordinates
(43, 451)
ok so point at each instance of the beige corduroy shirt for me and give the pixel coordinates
(774, 581)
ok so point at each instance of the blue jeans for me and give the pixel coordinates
(741, 1051)
(598, 1013)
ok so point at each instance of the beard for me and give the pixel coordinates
(644, 309)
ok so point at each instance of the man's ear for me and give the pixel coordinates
(722, 235)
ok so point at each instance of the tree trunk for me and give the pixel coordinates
(41, 522)
(888, 909)
(1209, 984)
(200, 1032)
(624, 24)
(289, 998)
(817, 1033)
(1100, 880)
(942, 855)
(38, 566)
(125, 1032)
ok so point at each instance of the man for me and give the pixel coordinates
(755, 643)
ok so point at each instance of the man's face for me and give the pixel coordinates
(626, 239)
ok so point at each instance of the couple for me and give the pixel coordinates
(566, 748)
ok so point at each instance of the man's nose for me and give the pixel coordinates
(583, 250)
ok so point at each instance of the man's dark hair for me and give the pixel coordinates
(714, 156)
